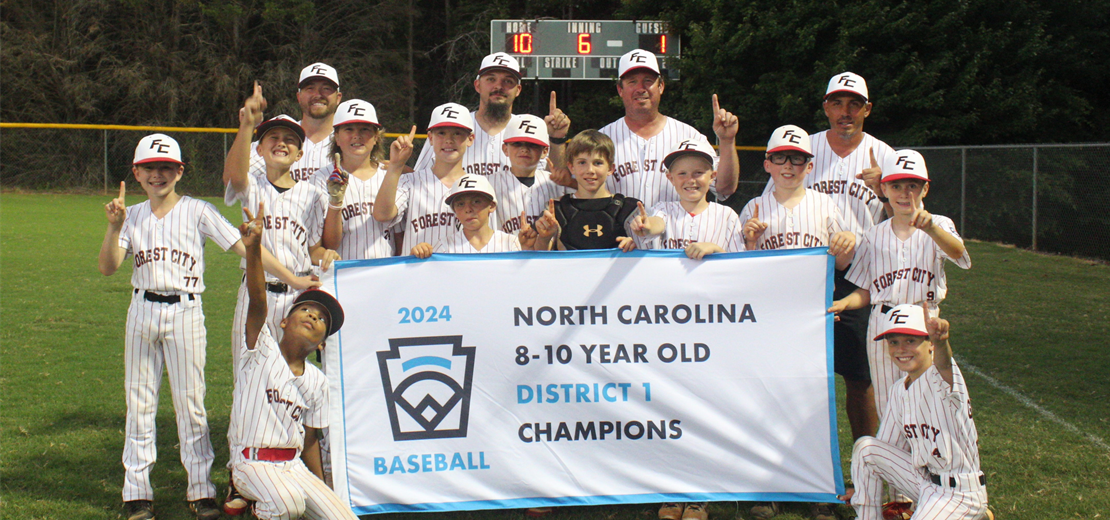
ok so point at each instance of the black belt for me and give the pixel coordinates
(164, 298)
(952, 481)
(885, 308)
(277, 287)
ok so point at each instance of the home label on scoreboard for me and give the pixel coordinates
(581, 49)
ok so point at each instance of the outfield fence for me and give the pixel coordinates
(1047, 197)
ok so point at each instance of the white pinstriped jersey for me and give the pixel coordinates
(363, 237)
(932, 420)
(294, 220)
(717, 224)
(501, 242)
(271, 406)
(426, 217)
(316, 156)
(897, 272)
(168, 253)
(514, 196)
(484, 157)
(638, 162)
(809, 224)
(835, 176)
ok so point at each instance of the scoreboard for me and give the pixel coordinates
(581, 49)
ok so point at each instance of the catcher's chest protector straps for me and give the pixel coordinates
(589, 229)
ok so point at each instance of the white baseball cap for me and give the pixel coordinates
(500, 61)
(789, 137)
(356, 111)
(690, 147)
(451, 114)
(319, 70)
(904, 164)
(906, 319)
(847, 82)
(157, 148)
(638, 59)
(527, 128)
(274, 122)
(470, 184)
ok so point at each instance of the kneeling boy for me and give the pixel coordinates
(281, 401)
(927, 445)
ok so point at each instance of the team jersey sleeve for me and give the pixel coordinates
(890, 424)
(213, 225)
(426, 157)
(945, 223)
(318, 403)
(748, 210)
(627, 213)
(404, 191)
(231, 196)
(317, 213)
(734, 234)
(860, 271)
(320, 178)
(836, 222)
(257, 163)
(125, 231)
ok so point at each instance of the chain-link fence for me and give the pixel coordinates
(95, 158)
(1045, 197)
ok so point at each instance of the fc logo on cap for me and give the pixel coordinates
(356, 110)
(319, 69)
(789, 135)
(449, 113)
(637, 58)
(468, 182)
(500, 60)
(897, 317)
(528, 128)
(157, 145)
(686, 145)
(847, 81)
(905, 162)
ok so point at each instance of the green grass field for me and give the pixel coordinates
(1030, 331)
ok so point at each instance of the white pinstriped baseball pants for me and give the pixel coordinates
(170, 335)
(287, 491)
(875, 461)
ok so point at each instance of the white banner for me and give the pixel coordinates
(517, 380)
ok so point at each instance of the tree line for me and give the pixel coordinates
(940, 72)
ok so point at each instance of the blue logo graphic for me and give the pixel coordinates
(427, 386)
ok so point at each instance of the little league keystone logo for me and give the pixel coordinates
(427, 386)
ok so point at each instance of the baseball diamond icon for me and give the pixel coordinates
(427, 386)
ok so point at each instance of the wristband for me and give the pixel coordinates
(557, 140)
(333, 206)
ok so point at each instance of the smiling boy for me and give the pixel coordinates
(692, 223)
(927, 445)
(591, 217)
(165, 321)
(473, 201)
(901, 260)
(419, 196)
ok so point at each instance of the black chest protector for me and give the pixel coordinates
(592, 223)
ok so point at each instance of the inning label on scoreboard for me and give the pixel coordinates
(581, 49)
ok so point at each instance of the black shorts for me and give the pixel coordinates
(850, 336)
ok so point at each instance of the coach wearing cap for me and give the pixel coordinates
(498, 85)
(846, 167)
(318, 95)
(644, 136)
